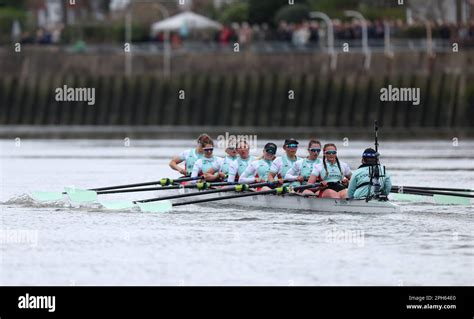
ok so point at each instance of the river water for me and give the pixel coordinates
(63, 244)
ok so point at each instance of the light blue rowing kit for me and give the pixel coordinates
(360, 186)
(259, 168)
(204, 164)
(190, 157)
(228, 162)
(281, 165)
(302, 167)
(238, 167)
(333, 173)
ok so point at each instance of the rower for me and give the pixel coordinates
(229, 159)
(258, 170)
(333, 174)
(190, 156)
(208, 161)
(301, 171)
(370, 180)
(282, 164)
(222, 166)
(241, 163)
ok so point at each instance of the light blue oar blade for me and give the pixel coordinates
(407, 197)
(157, 207)
(118, 205)
(47, 196)
(80, 195)
(451, 200)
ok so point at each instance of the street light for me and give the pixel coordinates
(429, 38)
(327, 20)
(365, 41)
(128, 38)
(388, 46)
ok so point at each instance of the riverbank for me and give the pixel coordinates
(190, 132)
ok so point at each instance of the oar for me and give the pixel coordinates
(152, 205)
(447, 198)
(199, 186)
(87, 195)
(159, 207)
(438, 189)
(167, 206)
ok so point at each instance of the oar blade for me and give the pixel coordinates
(47, 196)
(451, 200)
(407, 197)
(81, 195)
(156, 207)
(117, 205)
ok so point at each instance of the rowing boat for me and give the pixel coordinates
(309, 204)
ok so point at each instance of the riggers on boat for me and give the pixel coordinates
(314, 204)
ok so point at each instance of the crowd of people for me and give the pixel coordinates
(310, 32)
(327, 177)
(297, 34)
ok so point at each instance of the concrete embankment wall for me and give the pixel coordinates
(39, 61)
(207, 97)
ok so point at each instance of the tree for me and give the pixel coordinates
(19, 4)
(293, 13)
(262, 11)
(236, 12)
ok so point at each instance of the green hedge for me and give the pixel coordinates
(292, 13)
(105, 34)
(236, 12)
(7, 17)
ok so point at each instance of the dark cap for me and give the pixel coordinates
(270, 148)
(370, 153)
(291, 141)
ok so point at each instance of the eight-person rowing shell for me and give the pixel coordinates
(370, 180)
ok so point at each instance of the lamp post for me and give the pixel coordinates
(365, 42)
(327, 20)
(387, 44)
(166, 41)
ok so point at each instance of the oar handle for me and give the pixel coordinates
(428, 192)
(436, 188)
(162, 182)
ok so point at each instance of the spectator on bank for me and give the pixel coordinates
(43, 36)
(301, 35)
(284, 32)
(314, 31)
(225, 35)
(176, 41)
(245, 34)
(27, 38)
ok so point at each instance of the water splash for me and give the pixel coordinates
(27, 201)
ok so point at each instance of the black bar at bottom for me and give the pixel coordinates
(323, 302)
